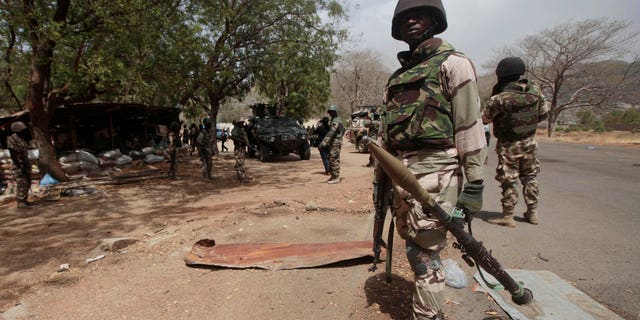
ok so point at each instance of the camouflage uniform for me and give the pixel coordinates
(20, 156)
(174, 144)
(333, 141)
(373, 127)
(205, 148)
(431, 121)
(515, 113)
(240, 143)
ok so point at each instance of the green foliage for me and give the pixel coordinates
(586, 118)
(194, 53)
(631, 116)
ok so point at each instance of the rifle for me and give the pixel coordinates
(469, 246)
(382, 197)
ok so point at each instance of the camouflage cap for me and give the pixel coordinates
(18, 126)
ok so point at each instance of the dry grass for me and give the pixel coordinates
(619, 138)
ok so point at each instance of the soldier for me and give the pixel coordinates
(173, 140)
(431, 122)
(205, 148)
(372, 124)
(240, 143)
(333, 142)
(193, 136)
(515, 108)
(321, 132)
(19, 149)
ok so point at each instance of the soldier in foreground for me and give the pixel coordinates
(333, 142)
(431, 122)
(18, 145)
(240, 143)
(515, 108)
(205, 148)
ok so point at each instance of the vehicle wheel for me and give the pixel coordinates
(263, 153)
(361, 146)
(305, 152)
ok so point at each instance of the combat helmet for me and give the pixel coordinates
(435, 6)
(18, 126)
(509, 67)
(332, 107)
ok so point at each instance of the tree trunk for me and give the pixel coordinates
(40, 118)
(215, 108)
(551, 125)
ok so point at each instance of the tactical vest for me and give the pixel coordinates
(417, 112)
(519, 118)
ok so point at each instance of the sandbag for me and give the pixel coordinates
(86, 157)
(123, 159)
(111, 154)
(151, 158)
(69, 158)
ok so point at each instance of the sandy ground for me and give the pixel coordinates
(149, 278)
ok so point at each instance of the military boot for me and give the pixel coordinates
(532, 217)
(24, 205)
(506, 220)
(334, 180)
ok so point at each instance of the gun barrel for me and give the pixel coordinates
(405, 179)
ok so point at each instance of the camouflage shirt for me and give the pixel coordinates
(336, 131)
(436, 93)
(19, 150)
(204, 141)
(516, 111)
(239, 136)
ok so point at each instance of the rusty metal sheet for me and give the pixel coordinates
(275, 256)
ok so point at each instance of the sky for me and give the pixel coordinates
(479, 28)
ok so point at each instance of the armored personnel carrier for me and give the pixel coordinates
(271, 136)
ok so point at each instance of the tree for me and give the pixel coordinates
(562, 59)
(271, 44)
(359, 79)
(82, 51)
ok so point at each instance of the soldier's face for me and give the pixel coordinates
(413, 25)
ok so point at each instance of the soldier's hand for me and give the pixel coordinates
(471, 197)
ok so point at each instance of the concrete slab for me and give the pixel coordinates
(553, 298)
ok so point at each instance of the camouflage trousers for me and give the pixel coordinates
(334, 159)
(173, 163)
(425, 236)
(207, 163)
(23, 185)
(240, 154)
(518, 160)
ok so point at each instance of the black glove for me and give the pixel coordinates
(471, 197)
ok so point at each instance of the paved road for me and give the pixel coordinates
(590, 222)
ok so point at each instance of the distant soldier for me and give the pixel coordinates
(185, 135)
(19, 149)
(240, 144)
(372, 123)
(173, 140)
(205, 148)
(333, 141)
(223, 138)
(515, 108)
(193, 135)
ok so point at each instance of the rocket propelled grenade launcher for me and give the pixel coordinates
(467, 244)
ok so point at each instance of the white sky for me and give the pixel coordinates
(479, 28)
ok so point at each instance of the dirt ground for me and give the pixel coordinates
(149, 278)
